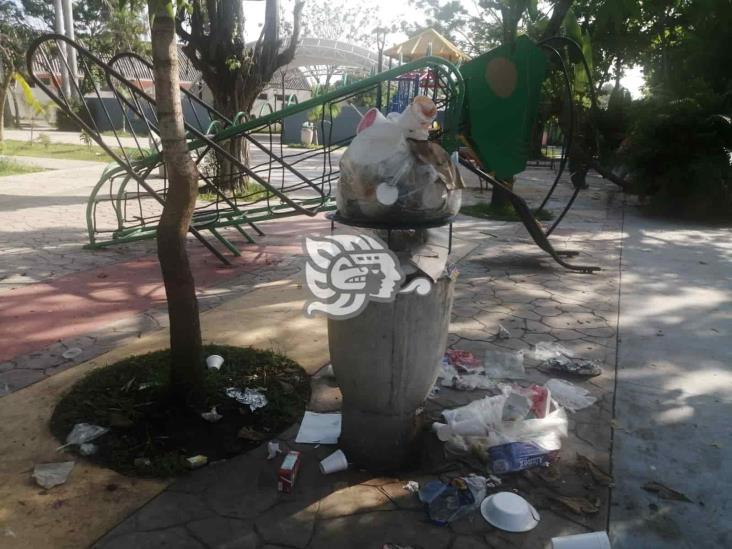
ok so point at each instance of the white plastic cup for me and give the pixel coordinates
(333, 463)
(214, 362)
(592, 540)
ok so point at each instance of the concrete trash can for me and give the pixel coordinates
(386, 361)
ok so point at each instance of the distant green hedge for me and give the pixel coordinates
(678, 154)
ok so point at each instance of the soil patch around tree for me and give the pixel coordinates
(151, 435)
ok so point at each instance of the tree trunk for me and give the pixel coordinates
(4, 87)
(187, 371)
(561, 7)
(14, 97)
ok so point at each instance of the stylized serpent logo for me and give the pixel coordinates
(346, 271)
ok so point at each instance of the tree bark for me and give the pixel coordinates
(561, 7)
(187, 371)
(4, 87)
(14, 97)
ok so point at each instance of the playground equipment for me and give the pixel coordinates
(248, 175)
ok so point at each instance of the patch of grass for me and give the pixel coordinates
(132, 398)
(65, 151)
(10, 167)
(298, 145)
(485, 210)
(252, 191)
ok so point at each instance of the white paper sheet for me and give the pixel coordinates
(319, 429)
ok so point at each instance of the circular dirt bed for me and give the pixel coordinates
(151, 435)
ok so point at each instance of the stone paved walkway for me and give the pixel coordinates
(505, 280)
(674, 390)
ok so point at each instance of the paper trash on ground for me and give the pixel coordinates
(48, 475)
(319, 428)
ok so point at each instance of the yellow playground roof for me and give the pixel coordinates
(418, 47)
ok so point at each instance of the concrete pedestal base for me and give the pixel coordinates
(386, 360)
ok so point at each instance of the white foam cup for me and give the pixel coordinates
(442, 430)
(592, 540)
(214, 362)
(333, 463)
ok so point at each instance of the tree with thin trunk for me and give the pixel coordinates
(236, 72)
(187, 371)
(14, 36)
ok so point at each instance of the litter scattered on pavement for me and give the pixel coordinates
(517, 456)
(287, 475)
(412, 486)
(196, 462)
(213, 416)
(569, 395)
(249, 397)
(510, 512)
(664, 492)
(273, 448)
(448, 502)
(48, 475)
(72, 353)
(83, 433)
(558, 359)
(335, 462)
(214, 362)
(319, 428)
(539, 397)
(503, 333)
(449, 376)
(463, 361)
(504, 365)
(513, 441)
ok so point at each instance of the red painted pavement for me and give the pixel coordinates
(37, 315)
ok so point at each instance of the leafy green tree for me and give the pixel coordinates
(214, 41)
(106, 27)
(14, 38)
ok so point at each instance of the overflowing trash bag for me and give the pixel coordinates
(392, 175)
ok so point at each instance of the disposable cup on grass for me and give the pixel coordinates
(214, 362)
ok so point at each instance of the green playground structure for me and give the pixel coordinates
(486, 107)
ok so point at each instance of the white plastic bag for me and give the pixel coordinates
(504, 365)
(569, 395)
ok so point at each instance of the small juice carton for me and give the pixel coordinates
(288, 472)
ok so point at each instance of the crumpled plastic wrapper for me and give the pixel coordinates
(249, 397)
(83, 433)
